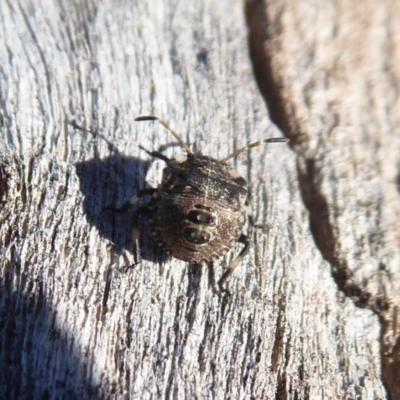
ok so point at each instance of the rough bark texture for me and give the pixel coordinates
(330, 76)
(314, 308)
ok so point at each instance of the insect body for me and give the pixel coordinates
(197, 212)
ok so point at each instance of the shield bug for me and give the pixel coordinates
(197, 212)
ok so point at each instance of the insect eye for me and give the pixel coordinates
(201, 217)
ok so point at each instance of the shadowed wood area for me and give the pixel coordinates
(314, 306)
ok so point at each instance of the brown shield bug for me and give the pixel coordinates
(196, 214)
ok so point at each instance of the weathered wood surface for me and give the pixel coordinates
(314, 308)
(335, 83)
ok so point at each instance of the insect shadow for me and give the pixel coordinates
(101, 191)
(105, 183)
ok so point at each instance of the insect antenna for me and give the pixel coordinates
(255, 144)
(165, 125)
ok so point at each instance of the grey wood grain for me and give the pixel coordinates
(329, 73)
(74, 322)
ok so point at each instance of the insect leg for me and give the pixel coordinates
(246, 242)
(145, 211)
(136, 232)
(156, 154)
(135, 236)
(211, 277)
